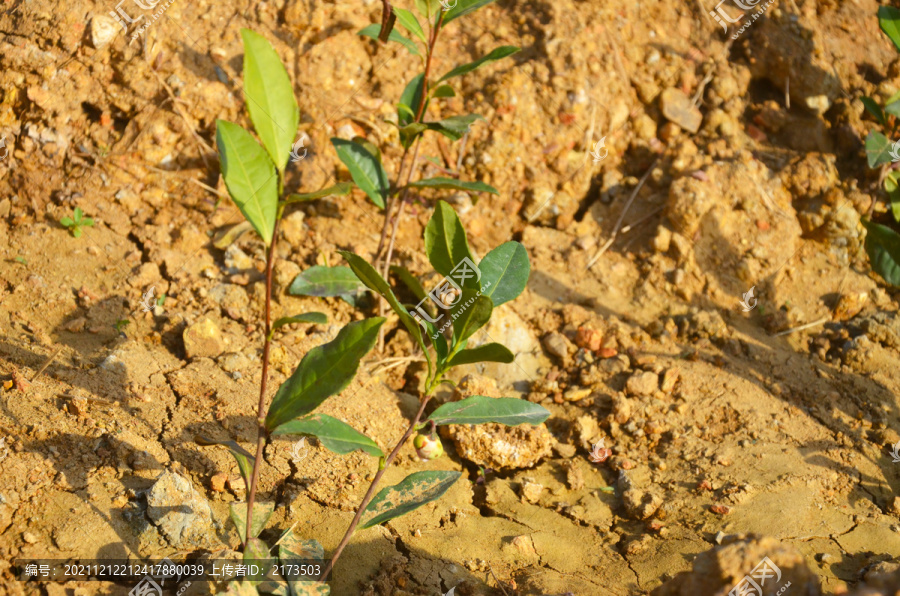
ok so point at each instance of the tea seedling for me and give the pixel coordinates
(254, 176)
(882, 242)
(76, 222)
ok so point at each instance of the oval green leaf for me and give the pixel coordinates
(496, 54)
(261, 514)
(373, 280)
(479, 409)
(504, 272)
(365, 169)
(878, 149)
(321, 281)
(316, 318)
(270, 97)
(336, 435)
(372, 31)
(492, 352)
(451, 183)
(873, 108)
(250, 177)
(323, 372)
(445, 240)
(454, 127)
(411, 96)
(339, 189)
(410, 23)
(412, 492)
(883, 247)
(471, 313)
(464, 7)
(889, 21)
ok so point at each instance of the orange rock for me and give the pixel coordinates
(588, 338)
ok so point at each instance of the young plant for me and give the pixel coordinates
(364, 160)
(468, 294)
(76, 222)
(254, 177)
(882, 242)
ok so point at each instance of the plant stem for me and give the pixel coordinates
(260, 418)
(371, 492)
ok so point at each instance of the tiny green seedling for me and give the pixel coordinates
(21, 260)
(75, 223)
(253, 172)
(882, 241)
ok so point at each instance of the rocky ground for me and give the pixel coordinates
(734, 436)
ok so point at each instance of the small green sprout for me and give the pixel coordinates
(74, 224)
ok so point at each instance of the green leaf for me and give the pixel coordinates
(325, 371)
(464, 7)
(261, 514)
(321, 281)
(892, 108)
(412, 492)
(373, 280)
(889, 20)
(504, 272)
(428, 8)
(340, 189)
(873, 108)
(373, 31)
(443, 91)
(479, 409)
(469, 315)
(445, 241)
(316, 318)
(243, 457)
(878, 149)
(454, 127)
(270, 97)
(441, 349)
(292, 550)
(76, 232)
(365, 169)
(492, 352)
(883, 248)
(453, 184)
(496, 54)
(250, 177)
(892, 186)
(87, 221)
(404, 111)
(410, 98)
(410, 23)
(410, 132)
(78, 214)
(337, 436)
(66, 222)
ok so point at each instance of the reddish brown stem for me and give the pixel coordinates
(370, 493)
(260, 418)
